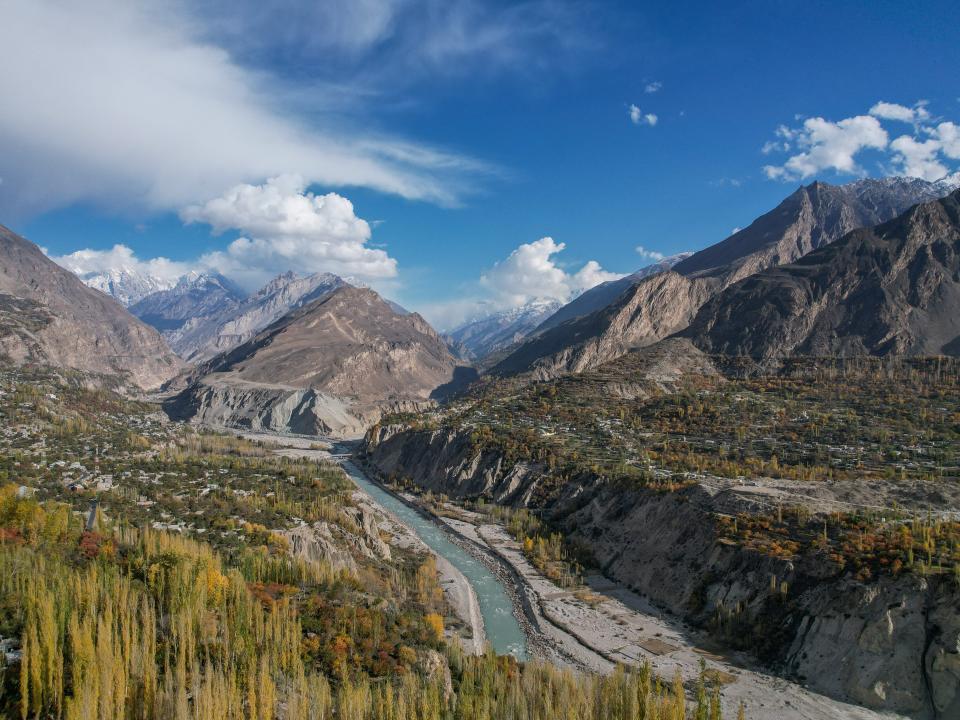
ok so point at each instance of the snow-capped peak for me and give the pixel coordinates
(126, 285)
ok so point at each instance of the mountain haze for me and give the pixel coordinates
(478, 338)
(195, 295)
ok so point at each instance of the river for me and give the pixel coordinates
(502, 629)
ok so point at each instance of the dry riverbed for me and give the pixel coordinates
(624, 628)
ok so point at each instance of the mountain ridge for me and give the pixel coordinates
(659, 306)
(51, 317)
(891, 289)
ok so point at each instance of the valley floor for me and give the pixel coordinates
(624, 628)
(616, 626)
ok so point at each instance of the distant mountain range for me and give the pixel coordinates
(846, 269)
(666, 303)
(477, 338)
(232, 321)
(195, 295)
(125, 285)
(47, 315)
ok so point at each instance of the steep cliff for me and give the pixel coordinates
(891, 643)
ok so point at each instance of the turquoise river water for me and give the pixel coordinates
(502, 629)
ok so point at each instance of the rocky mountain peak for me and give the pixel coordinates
(49, 316)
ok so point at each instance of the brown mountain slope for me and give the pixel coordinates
(892, 289)
(664, 304)
(332, 366)
(48, 316)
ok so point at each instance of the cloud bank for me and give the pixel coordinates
(128, 104)
(821, 145)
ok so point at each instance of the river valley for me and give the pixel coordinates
(537, 620)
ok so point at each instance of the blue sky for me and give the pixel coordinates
(459, 130)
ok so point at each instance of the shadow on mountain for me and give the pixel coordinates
(463, 377)
(952, 347)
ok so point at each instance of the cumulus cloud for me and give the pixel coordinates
(285, 227)
(828, 146)
(821, 145)
(121, 257)
(653, 87)
(918, 159)
(893, 111)
(638, 117)
(530, 273)
(947, 135)
(651, 255)
(128, 103)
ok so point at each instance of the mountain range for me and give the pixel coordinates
(867, 267)
(126, 285)
(666, 303)
(893, 289)
(220, 320)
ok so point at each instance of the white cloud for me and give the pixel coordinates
(653, 87)
(528, 274)
(821, 145)
(948, 135)
(649, 254)
(284, 227)
(638, 117)
(125, 103)
(893, 111)
(918, 159)
(828, 146)
(121, 257)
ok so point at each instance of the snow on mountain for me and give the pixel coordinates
(126, 285)
(483, 335)
(202, 336)
(196, 294)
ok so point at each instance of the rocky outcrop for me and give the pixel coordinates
(48, 316)
(891, 644)
(339, 544)
(227, 402)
